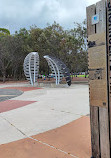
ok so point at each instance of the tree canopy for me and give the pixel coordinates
(4, 31)
(68, 45)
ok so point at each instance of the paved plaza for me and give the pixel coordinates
(53, 122)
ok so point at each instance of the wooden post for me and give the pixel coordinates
(99, 71)
(109, 55)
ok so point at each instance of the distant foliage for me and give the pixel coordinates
(4, 31)
(68, 45)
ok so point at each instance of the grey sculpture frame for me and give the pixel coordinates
(52, 67)
(59, 69)
(31, 67)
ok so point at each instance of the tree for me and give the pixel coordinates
(68, 45)
(12, 54)
(5, 57)
(4, 31)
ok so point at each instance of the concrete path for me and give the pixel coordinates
(69, 141)
(40, 110)
(52, 108)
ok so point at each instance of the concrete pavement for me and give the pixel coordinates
(50, 108)
(69, 141)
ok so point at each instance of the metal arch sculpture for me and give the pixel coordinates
(59, 69)
(66, 73)
(31, 67)
(52, 67)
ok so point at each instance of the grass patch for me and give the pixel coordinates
(80, 76)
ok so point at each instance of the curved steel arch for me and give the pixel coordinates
(66, 72)
(59, 69)
(52, 67)
(60, 74)
(31, 67)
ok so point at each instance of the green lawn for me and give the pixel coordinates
(80, 76)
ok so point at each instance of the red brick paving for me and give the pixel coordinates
(13, 104)
(73, 138)
(79, 79)
(64, 80)
(23, 88)
(8, 82)
(28, 148)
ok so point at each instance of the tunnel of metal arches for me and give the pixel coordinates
(59, 69)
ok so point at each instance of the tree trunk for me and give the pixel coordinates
(4, 76)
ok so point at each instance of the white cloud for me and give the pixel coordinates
(24, 13)
(90, 2)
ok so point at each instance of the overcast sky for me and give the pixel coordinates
(16, 14)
